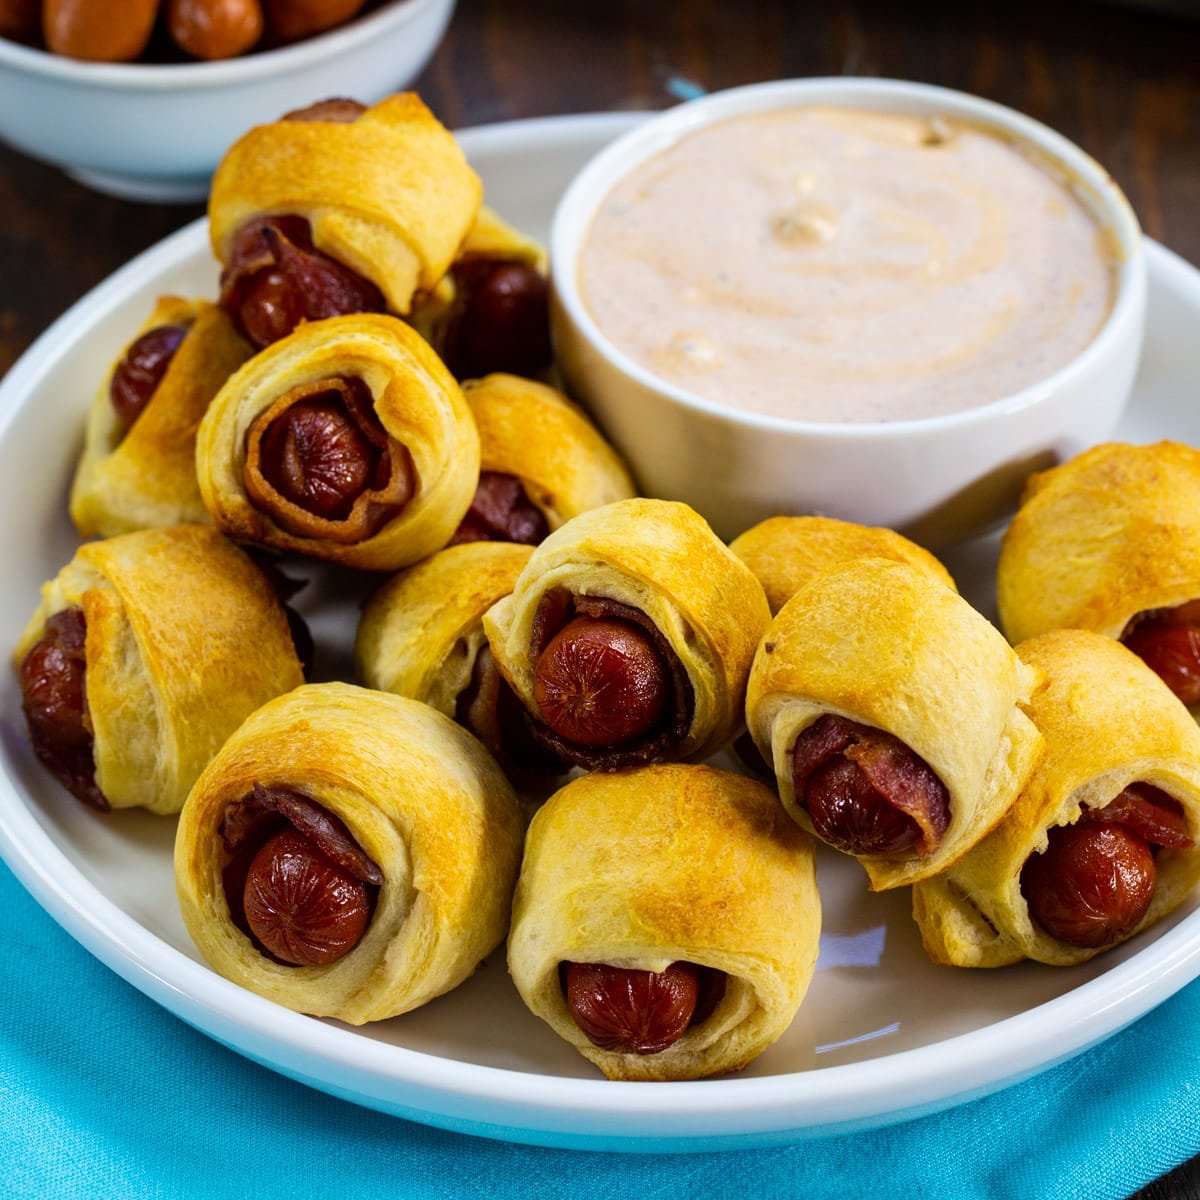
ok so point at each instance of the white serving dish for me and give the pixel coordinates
(882, 1035)
(149, 131)
(938, 479)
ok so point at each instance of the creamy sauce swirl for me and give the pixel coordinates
(830, 264)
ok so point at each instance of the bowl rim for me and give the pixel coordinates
(251, 67)
(1089, 180)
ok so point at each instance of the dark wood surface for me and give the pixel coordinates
(1122, 82)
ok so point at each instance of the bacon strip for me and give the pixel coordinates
(320, 464)
(501, 512)
(866, 791)
(1158, 818)
(276, 278)
(251, 819)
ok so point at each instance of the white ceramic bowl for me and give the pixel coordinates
(156, 131)
(939, 479)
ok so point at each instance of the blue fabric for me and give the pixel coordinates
(105, 1095)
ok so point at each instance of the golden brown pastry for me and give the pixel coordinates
(138, 469)
(1110, 542)
(542, 462)
(629, 635)
(1101, 842)
(491, 311)
(338, 208)
(891, 712)
(492, 237)
(347, 440)
(666, 920)
(146, 652)
(421, 636)
(348, 854)
(786, 552)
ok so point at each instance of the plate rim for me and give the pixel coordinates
(552, 1109)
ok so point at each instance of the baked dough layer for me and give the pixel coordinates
(147, 478)
(416, 400)
(419, 795)
(1101, 538)
(422, 631)
(389, 195)
(658, 556)
(786, 552)
(1108, 721)
(884, 644)
(535, 433)
(185, 639)
(642, 868)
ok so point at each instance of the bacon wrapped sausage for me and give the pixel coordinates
(666, 920)
(138, 469)
(491, 311)
(629, 635)
(347, 440)
(146, 652)
(1110, 542)
(1101, 842)
(542, 462)
(891, 713)
(338, 209)
(348, 854)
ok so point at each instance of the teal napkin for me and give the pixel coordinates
(104, 1095)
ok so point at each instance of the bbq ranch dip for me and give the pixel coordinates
(841, 265)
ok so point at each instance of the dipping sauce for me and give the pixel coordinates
(829, 264)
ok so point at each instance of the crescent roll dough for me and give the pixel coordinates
(146, 479)
(1101, 538)
(536, 434)
(417, 794)
(389, 195)
(493, 237)
(882, 644)
(422, 632)
(661, 561)
(184, 639)
(416, 404)
(786, 552)
(1108, 722)
(664, 864)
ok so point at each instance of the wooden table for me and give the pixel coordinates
(1122, 82)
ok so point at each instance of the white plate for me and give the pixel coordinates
(882, 1035)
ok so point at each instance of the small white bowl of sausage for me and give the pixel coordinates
(156, 130)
